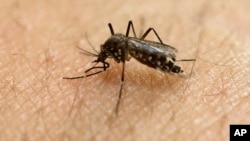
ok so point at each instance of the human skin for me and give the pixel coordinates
(38, 42)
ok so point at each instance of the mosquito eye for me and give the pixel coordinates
(177, 69)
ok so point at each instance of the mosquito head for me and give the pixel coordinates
(102, 55)
(114, 47)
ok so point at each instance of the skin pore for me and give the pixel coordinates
(38, 42)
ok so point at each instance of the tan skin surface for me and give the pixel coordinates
(37, 48)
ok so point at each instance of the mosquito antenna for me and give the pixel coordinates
(88, 54)
(85, 52)
(90, 43)
(111, 29)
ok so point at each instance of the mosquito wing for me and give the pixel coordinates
(151, 47)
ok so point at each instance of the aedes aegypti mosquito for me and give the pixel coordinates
(121, 48)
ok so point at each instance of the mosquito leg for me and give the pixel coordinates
(83, 76)
(130, 23)
(111, 29)
(97, 67)
(120, 92)
(146, 33)
(104, 67)
(186, 60)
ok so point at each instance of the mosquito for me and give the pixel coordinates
(121, 48)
